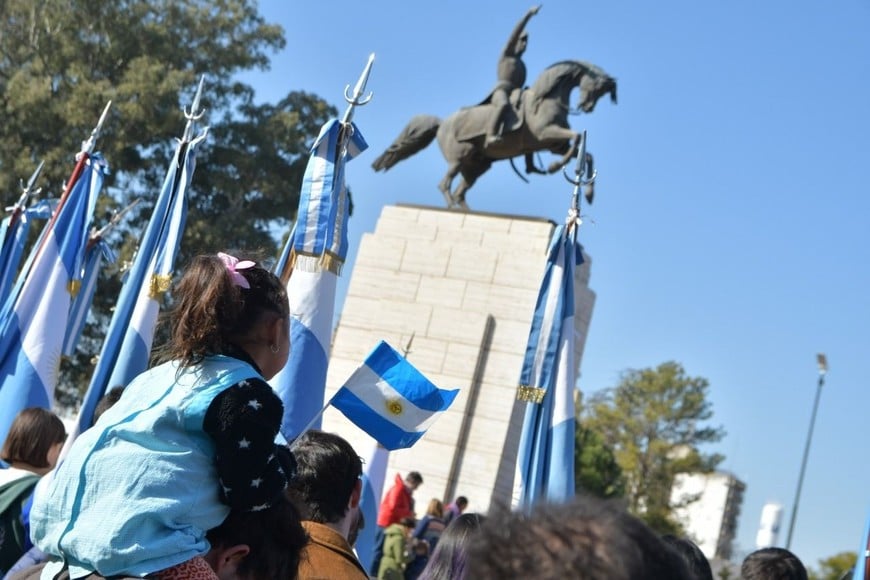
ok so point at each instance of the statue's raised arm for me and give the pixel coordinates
(510, 49)
(511, 76)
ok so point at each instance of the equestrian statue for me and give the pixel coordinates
(512, 121)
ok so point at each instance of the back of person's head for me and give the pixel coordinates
(587, 539)
(461, 502)
(274, 536)
(219, 304)
(32, 435)
(449, 560)
(695, 560)
(772, 564)
(414, 478)
(106, 402)
(408, 523)
(435, 508)
(327, 471)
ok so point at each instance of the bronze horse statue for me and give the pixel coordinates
(541, 124)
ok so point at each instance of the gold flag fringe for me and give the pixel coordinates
(328, 262)
(530, 394)
(158, 285)
(73, 287)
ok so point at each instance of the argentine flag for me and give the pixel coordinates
(545, 461)
(32, 331)
(315, 250)
(391, 400)
(127, 346)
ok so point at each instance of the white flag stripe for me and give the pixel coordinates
(42, 346)
(411, 419)
(563, 405)
(318, 174)
(311, 294)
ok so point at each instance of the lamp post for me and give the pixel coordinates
(822, 361)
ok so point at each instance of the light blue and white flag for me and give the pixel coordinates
(545, 461)
(374, 477)
(14, 231)
(96, 251)
(315, 251)
(390, 399)
(861, 568)
(32, 331)
(128, 342)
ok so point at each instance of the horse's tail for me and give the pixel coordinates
(416, 136)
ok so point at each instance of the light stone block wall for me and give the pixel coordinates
(460, 288)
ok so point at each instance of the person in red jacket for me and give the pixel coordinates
(396, 505)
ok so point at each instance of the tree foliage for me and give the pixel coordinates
(62, 60)
(834, 567)
(654, 421)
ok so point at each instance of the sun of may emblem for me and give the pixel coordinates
(394, 406)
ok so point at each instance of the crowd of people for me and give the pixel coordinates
(180, 477)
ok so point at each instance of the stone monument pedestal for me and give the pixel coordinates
(458, 290)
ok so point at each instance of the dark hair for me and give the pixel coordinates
(275, 537)
(105, 403)
(415, 477)
(212, 314)
(772, 564)
(31, 436)
(586, 538)
(692, 555)
(327, 470)
(449, 560)
(461, 501)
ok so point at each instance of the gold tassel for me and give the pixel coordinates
(530, 394)
(159, 284)
(73, 287)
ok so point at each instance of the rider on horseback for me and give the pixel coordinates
(511, 75)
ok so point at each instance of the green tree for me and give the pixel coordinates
(596, 470)
(62, 60)
(654, 420)
(834, 567)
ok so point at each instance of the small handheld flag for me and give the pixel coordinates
(390, 399)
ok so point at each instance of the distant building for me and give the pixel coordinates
(708, 505)
(768, 529)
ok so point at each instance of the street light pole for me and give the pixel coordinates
(823, 369)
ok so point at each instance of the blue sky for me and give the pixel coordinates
(730, 221)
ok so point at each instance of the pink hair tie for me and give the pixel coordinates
(233, 265)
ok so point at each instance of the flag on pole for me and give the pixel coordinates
(862, 570)
(14, 230)
(374, 478)
(390, 399)
(14, 234)
(545, 462)
(127, 346)
(32, 330)
(96, 252)
(315, 251)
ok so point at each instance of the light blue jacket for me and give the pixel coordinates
(138, 491)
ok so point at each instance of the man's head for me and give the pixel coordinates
(461, 503)
(586, 539)
(772, 564)
(259, 545)
(327, 479)
(413, 480)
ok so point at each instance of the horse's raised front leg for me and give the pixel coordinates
(568, 156)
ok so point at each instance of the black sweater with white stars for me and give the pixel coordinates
(243, 421)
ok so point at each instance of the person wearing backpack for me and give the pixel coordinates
(31, 450)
